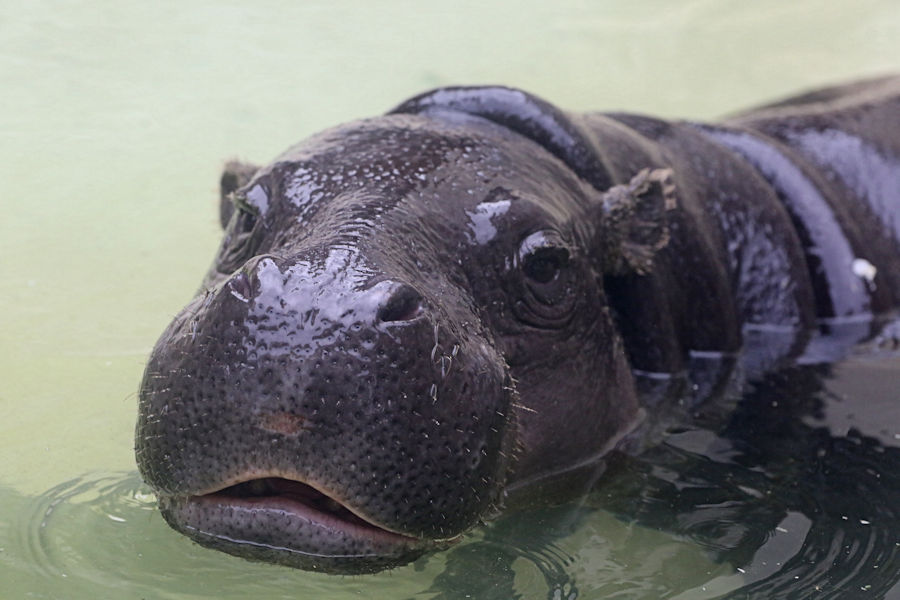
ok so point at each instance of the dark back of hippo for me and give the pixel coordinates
(418, 319)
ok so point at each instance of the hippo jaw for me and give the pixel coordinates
(277, 519)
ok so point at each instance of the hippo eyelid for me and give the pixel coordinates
(242, 236)
(542, 241)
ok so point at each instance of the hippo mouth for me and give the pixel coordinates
(300, 499)
(289, 522)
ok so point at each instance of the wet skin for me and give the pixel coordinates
(418, 320)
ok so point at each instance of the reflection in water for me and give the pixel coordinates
(780, 505)
(791, 506)
(848, 486)
(798, 497)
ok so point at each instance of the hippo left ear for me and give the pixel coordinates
(634, 223)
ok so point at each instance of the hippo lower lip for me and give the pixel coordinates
(286, 521)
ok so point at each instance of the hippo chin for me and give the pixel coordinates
(417, 320)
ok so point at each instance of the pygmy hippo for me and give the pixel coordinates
(420, 319)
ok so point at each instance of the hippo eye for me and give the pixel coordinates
(543, 255)
(245, 210)
(547, 293)
(241, 236)
(544, 264)
(546, 289)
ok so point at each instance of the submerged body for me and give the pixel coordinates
(418, 319)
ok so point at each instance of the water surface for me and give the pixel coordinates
(115, 119)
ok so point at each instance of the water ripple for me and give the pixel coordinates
(786, 502)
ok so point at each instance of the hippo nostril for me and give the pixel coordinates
(404, 304)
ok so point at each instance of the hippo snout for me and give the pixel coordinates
(308, 404)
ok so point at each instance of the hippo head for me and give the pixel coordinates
(406, 318)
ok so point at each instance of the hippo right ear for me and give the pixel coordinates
(634, 222)
(235, 176)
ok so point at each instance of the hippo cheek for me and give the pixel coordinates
(355, 451)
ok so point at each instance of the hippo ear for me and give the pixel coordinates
(523, 113)
(634, 221)
(235, 176)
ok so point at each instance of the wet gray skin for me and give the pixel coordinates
(417, 320)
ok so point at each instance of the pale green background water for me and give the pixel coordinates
(115, 119)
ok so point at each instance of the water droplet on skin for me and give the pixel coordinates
(446, 363)
(865, 271)
(436, 347)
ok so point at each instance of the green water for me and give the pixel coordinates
(115, 120)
